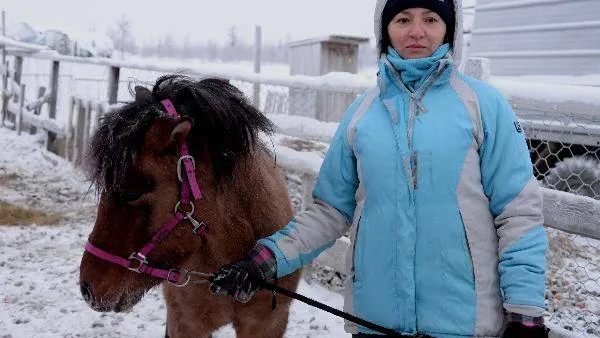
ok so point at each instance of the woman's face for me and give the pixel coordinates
(416, 32)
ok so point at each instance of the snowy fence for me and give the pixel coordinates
(561, 122)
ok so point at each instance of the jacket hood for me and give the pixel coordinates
(458, 29)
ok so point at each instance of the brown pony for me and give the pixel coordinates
(139, 162)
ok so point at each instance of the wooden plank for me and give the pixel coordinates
(572, 213)
(2, 46)
(37, 105)
(52, 102)
(69, 136)
(79, 132)
(87, 125)
(4, 94)
(113, 84)
(18, 72)
(19, 118)
(257, 61)
(43, 123)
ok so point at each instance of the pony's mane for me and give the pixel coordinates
(224, 122)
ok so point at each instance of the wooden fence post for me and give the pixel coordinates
(87, 125)
(2, 47)
(69, 147)
(18, 72)
(50, 136)
(19, 118)
(38, 110)
(4, 92)
(79, 133)
(100, 114)
(257, 57)
(478, 68)
(113, 85)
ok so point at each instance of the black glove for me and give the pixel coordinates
(241, 279)
(518, 330)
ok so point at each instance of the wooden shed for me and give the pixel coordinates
(538, 37)
(319, 56)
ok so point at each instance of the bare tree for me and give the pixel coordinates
(232, 34)
(122, 36)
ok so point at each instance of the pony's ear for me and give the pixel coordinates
(181, 131)
(142, 94)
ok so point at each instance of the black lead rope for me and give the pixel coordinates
(347, 316)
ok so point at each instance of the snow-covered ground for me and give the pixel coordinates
(39, 264)
(39, 290)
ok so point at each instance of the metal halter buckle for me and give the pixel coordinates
(200, 228)
(179, 165)
(178, 284)
(178, 208)
(140, 259)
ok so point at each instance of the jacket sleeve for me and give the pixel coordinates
(516, 204)
(330, 215)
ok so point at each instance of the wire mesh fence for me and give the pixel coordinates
(565, 151)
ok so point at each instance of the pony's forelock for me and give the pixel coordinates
(116, 143)
(225, 124)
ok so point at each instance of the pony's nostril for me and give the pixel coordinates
(86, 292)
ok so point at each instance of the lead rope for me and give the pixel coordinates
(365, 323)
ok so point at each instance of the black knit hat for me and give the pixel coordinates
(443, 8)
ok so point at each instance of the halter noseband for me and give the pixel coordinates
(137, 260)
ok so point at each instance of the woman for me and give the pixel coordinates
(430, 172)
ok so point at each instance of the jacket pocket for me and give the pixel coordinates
(356, 252)
(470, 254)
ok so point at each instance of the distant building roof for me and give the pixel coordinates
(347, 39)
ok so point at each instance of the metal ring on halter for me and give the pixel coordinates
(181, 159)
(140, 259)
(178, 284)
(178, 205)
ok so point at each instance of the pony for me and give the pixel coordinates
(185, 185)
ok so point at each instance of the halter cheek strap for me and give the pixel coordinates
(187, 160)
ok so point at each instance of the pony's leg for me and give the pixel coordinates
(195, 313)
(256, 319)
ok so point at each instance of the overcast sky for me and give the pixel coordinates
(201, 20)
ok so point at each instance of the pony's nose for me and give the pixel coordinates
(86, 292)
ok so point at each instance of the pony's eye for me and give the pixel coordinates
(134, 192)
(129, 196)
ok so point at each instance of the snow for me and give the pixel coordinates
(583, 80)
(39, 264)
(27, 46)
(548, 92)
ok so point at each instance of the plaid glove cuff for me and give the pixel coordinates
(265, 260)
(528, 321)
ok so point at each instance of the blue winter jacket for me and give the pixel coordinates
(436, 190)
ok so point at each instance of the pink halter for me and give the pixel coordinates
(137, 260)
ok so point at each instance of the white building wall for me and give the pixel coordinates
(547, 37)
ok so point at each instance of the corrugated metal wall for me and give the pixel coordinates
(549, 37)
